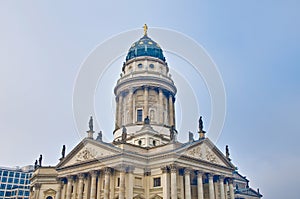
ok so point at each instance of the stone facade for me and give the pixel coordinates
(145, 160)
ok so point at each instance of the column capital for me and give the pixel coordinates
(187, 171)
(81, 175)
(93, 173)
(210, 175)
(230, 180)
(221, 177)
(199, 173)
(147, 172)
(70, 178)
(107, 171)
(37, 185)
(173, 168)
(164, 169)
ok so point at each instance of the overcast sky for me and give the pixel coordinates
(255, 45)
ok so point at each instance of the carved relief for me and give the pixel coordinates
(211, 157)
(196, 152)
(204, 153)
(86, 154)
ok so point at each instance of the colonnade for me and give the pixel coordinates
(96, 184)
(216, 186)
(123, 107)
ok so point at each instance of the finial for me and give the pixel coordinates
(145, 29)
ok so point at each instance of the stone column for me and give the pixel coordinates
(146, 106)
(187, 179)
(93, 184)
(147, 174)
(226, 187)
(99, 186)
(130, 106)
(59, 189)
(37, 188)
(173, 169)
(165, 184)
(161, 106)
(75, 185)
(120, 110)
(231, 189)
(80, 185)
(211, 186)
(171, 116)
(222, 191)
(69, 187)
(130, 181)
(107, 173)
(122, 183)
(200, 185)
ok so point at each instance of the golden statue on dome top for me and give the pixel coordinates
(145, 29)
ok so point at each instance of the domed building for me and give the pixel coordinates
(144, 160)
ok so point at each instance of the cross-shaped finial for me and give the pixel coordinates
(145, 29)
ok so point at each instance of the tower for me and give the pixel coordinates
(145, 95)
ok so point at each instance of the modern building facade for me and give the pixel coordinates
(14, 182)
(145, 160)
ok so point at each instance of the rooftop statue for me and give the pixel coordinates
(91, 126)
(200, 124)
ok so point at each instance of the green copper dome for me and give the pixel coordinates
(145, 47)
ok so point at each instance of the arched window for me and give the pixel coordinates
(140, 65)
(49, 197)
(140, 142)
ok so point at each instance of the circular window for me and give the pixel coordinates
(151, 65)
(140, 65)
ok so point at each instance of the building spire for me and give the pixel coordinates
(145, 29)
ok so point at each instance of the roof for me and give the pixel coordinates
(145, 46)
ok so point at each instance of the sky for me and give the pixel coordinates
(255, 45)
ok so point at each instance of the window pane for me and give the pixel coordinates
(139, 115)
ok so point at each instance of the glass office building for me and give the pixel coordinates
(14, 182)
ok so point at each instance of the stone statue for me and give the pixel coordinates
(124, 134)
(227, 152)
(91, 123)
(191, 137)
(99, 137)
(173, 133)
(40, 160)
(35, 164)
(147, 120)
(63, 151)
(200, 124)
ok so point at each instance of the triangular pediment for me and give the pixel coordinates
(205, 150)
(88, 150)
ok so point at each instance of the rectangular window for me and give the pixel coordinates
(139, 115)
(11, 174)
(118, 182)
(4, 179)
(5, 173)
(156, 182)
(10, 180)
(17, 175)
